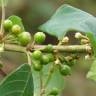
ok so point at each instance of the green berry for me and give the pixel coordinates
(49, 48)
(37, 66)
(8, 24)
(71, 63)
(16, 29)
(54, 92)
(24, 38)
(37, 54)
(51, 57)
(45, 59)
(65, 70)
(39, 37)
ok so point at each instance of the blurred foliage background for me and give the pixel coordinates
(35, 13)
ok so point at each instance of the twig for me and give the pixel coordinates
(62, 48)
(3, 16)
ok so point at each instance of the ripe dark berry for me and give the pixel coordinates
(37, 54)
(8, 24)
(65, 70)
(39, 37)
(37, 66)
(54, 92)
(45, 59)
(24, 38)
(16, 29)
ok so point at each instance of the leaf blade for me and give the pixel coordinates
(92, 72)
(16, 83)
(69, 18)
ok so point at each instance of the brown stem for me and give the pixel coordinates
(2, 73)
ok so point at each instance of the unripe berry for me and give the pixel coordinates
(54, 92)
(16, 29)
(49, 48)
(51, 57)
(24, 38)
(45, 59)
(78, 35)
(37, 66)
(37, 54)
(65, 70)
(39, 37)
(8, 24)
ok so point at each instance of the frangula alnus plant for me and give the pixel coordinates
(42, 74)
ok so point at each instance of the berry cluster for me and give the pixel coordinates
(15, 30)
(48, 55)
(38, 57)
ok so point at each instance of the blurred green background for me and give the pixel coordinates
(36, 12)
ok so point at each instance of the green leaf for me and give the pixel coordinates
(17, 20)
(18, 83)
(68, 18)
(92, 39)
(92, 73)
(4, 2)
(56, 80)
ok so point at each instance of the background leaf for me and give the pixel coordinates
(92, 73)
(17, 20)
(57, 80)
(68, 18)
(18, 83)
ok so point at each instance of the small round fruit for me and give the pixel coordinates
(37, 54)
(16, 29)
(49, 48)
(8, 24)
(65, 70)
(45, 59)
(54, 92)
(37, 66)
(39, 37)
(24, 38)
(51, 57)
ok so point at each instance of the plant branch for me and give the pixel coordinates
(61, 48)
(3, 16)
(28, 56)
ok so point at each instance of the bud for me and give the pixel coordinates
(78, 35)
(87, 57)
(84, 41)
(57, 61)
(88, 48)
(65, 40)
